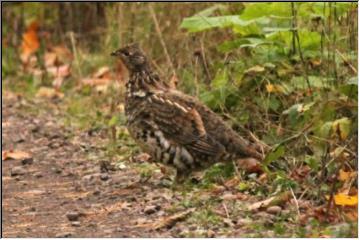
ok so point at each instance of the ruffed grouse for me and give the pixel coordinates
(174, 128)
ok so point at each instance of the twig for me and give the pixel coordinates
(346, 61)
(73, 45)
(296, 202)
(226, 210)
(305, 68)
(158, 31)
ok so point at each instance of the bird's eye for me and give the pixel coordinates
(126, 53)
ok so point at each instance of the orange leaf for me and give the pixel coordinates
(345, 200)
(344, 176)
(30, 42)
(17, 155)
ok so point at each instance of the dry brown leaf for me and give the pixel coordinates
(232, 182)
(5, 124)
(103, 72)
(63, 54)
(16, 155)
(174, 80)
(345, 176)
(49, 59)
(45, 92)
(60, 71)
(254, 70)
(250, 165)
(171, 220)
(275, 200)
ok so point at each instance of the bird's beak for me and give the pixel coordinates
(113, 54)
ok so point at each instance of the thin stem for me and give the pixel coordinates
(158, 31)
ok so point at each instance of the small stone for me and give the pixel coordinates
(210, 233)
(17, 171)
(96, 192)
(27, 161)
(104, 176)
(72, 215)
(56, 170)
(75, 224)
(228, 222)
(273, 210)
(150, 209)
(38, 175)
(64, 235)
(243, 222)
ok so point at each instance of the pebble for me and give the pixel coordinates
(243, 222)
(150, 209)
(210, 233)
(75, 224)
(104, 176)
(72, 215)
(56, 170)
(18, 170)
(27, 161)
(38, 175)
(273, 210)
(64, 235)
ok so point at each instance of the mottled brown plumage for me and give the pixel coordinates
(174, 128)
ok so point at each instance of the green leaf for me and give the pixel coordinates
(201, 23)
(274, 155)
(113, 121)
(325, 130)
(256, 10)
(312, 162)
(221, 79)
(208, 11)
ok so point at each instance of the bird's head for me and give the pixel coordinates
(132, 56)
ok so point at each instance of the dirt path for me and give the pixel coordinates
(65, 191)
(60, 184)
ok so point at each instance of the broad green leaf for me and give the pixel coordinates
(274, 155)
(325, 130)
(312, 162)
(256, 10)
(220, 79)
(208, 11)
(201, 23)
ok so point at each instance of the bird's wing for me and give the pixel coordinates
(182, 124)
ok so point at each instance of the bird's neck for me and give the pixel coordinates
(143, 82)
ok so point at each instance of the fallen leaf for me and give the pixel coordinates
(342, 127)
(274, 88)
(49, 59)
(232, 182)
(30, 42)
(103, 72)
(45, 92)
(345, 200)
(59, 71)
(250, 165)
(254, 70)
(275, 200)
(16, 155)
(174, 80)
(344, 176)
(5, 124)
(171, 220)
